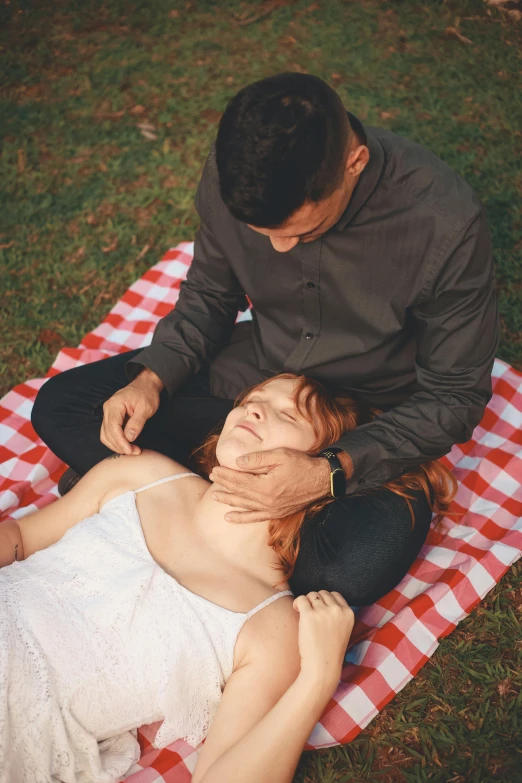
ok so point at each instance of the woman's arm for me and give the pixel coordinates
(44, 527)
(267, 713)
(11, 544)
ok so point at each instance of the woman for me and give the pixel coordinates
(132, 600)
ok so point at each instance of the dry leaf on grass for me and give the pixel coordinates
(149, 135)
(454, 33)
(50, 337)
(512, 8)
(145, 249)
(147, 131)
(112, 246)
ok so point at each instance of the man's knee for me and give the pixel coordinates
(354, 592)
(363, 548)
(46, 405)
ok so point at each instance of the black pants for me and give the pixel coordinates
(361, 546)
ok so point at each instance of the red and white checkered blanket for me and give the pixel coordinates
(460, 562)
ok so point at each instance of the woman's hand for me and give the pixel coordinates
(325, 625)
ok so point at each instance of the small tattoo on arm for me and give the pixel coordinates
(113, 456)
(16, 551)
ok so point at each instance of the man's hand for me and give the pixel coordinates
(138, 401)
(271, 484)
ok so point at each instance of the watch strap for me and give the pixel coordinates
(337, 487)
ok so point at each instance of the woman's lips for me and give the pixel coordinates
(249, 428)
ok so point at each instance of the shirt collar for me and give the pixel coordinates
(370, 177)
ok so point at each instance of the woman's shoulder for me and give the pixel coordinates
(122, 473)
(270, 636)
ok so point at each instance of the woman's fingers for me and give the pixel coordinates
(322, 598)
(302, 604)
(315, 599)
(325, 626)
(338, 598)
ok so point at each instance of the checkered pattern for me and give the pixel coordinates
(461, 561)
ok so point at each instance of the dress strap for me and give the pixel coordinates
(164, 481)
(268, 601)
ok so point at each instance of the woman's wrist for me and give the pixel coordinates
(318, 686)
(11, 544)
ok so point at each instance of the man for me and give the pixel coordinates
(368, 264)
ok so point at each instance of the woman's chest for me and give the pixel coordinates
(198, 560)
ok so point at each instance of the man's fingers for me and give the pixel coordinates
(114, 434)
(229, 499)
(134, 426)
(246, 487)
(259, 461)
(230, 476)
(245, 517)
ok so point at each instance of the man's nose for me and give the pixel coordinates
(284, 245)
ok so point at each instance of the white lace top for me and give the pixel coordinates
(97, 639)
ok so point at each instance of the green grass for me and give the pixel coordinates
(89, 203)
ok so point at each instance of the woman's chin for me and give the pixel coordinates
(228, 454)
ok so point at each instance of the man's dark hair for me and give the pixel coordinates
(282, 141)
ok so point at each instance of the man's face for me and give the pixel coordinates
(313, 219)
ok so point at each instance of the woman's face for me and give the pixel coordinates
(267, 419)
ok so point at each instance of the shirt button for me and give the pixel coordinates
(309, 335)
(361, 482)
(310, 284)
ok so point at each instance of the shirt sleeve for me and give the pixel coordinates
(201, 323)
(457, 328)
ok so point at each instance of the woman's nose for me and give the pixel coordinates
(256, 409)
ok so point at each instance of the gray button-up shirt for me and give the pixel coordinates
(395, 304)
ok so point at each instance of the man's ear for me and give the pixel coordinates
(357, 160)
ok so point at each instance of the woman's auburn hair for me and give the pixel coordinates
(331, 415)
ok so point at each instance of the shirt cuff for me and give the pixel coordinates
(366, 456)
(170, 366)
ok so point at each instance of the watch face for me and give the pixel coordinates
(339, 483)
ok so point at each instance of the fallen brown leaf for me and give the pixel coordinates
(145, 249)
(149, 135)
(510, 7)
(50, 337)
(110, 247)
(20, 164)
(453, 32)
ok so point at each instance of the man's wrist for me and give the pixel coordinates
(338, 469)
(346, 463)
(149, 378)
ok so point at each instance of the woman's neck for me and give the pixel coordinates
(245, 543)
